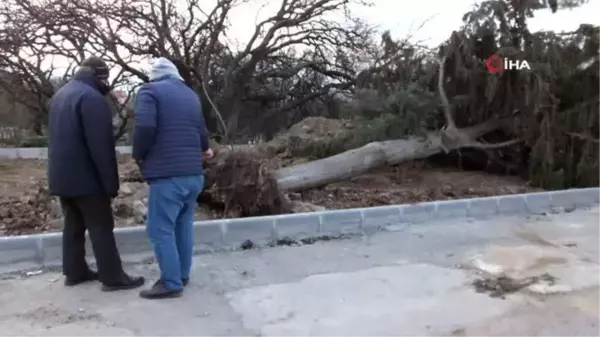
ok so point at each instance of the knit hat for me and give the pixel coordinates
(164, 68)
(98, 66)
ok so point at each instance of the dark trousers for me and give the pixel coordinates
(94, 214)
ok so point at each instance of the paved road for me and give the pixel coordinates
(414, 280)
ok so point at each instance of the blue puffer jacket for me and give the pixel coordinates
(169, 135)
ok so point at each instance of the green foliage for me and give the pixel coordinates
(406, 112)
(396, 101)
(553, 107)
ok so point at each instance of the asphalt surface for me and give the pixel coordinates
(407, 280)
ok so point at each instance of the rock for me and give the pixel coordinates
(285, 154)
(123, 210)
(139, 207)
(295, 196)
(139, 211)
(140, 191)
(55, 223)
(303, 207)
(202, 215)
(317, 208)
(55, 210)
(126, 189)
(130, 172)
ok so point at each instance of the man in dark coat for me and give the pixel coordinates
(82, 171)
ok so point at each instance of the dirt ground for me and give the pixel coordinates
(412, 183)
(25, 207)
(18, 175)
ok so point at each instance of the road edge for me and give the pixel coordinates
(27, 252)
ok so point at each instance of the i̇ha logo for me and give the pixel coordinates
(495, 64)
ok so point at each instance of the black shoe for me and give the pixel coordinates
(89, 276)
(128, 282)
(185, 281)
(159, 291)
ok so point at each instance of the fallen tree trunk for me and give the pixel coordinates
(357, 161)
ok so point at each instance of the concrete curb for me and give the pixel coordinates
(44, 250)
(41, 152)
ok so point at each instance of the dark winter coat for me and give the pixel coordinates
(81, 151)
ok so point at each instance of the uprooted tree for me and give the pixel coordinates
(533, 122)
(542, 123)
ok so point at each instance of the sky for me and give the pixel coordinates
(429, 22)
(404, 17)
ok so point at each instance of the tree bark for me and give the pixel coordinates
(357, 161)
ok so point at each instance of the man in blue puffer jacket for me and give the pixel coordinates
(169, 144)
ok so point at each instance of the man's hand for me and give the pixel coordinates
(208, 154)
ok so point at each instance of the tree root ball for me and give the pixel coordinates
(241, 185)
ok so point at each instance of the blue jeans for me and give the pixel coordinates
(171, 205)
